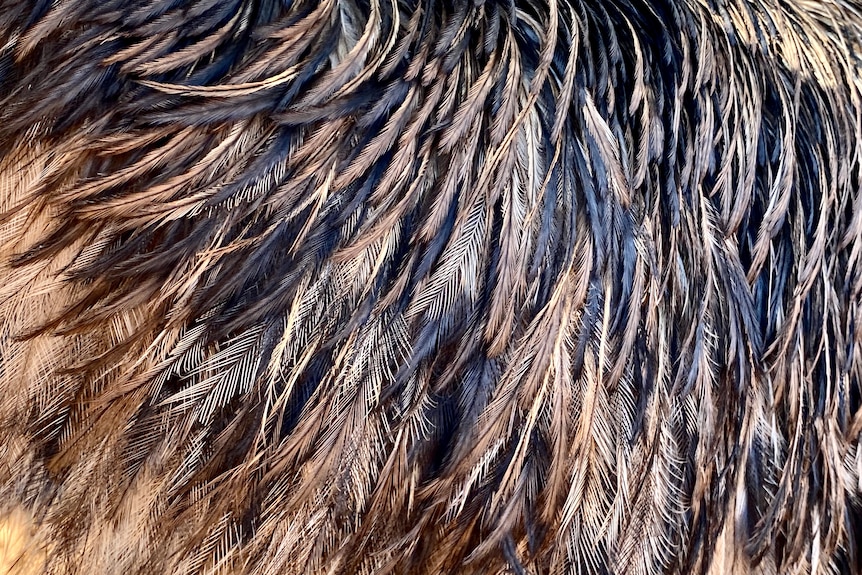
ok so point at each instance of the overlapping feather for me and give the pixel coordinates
(414, 286)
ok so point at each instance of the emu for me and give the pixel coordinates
(430, 286)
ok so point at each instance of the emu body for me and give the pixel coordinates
(430, 287)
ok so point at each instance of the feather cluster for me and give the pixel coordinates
(432, 286)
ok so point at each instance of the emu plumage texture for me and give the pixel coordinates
(431, 287)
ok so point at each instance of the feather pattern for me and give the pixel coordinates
(418, 286)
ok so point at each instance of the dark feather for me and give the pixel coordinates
(421, 286)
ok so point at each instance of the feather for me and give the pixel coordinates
(414, 286)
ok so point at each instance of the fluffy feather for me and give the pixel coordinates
(422, 286)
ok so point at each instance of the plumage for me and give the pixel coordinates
(430, 286)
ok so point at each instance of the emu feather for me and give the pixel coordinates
(430, 287)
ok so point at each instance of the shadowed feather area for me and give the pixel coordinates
(430, 286)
